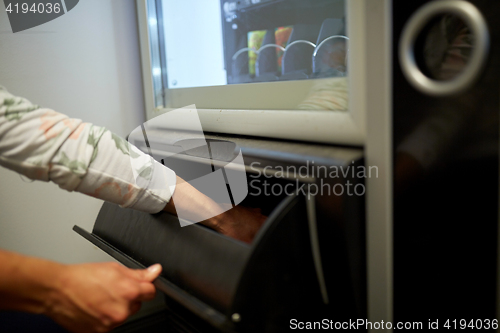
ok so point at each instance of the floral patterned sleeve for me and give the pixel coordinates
(45, 145)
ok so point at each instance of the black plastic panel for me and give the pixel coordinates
(446, 202)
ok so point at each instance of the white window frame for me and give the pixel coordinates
(339, 127)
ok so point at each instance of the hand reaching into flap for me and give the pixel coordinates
(238, 222)
(241, 223)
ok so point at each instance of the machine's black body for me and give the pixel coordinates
(446, 215)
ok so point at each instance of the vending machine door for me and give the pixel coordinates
(446, 73)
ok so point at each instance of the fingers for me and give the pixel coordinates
(153, 272)
(139, 286)
(147, 291)
(99, 297)
(149, 274)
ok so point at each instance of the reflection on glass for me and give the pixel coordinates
(451, 129)
(327, 94)
(447, 44)
(330, 57)
(219, 42)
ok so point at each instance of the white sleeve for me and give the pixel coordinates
(45, 145)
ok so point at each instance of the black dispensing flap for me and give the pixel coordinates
(197, 259)
(202, 269)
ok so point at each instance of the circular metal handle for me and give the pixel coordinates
(472, 18)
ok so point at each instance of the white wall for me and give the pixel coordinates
(86, 64)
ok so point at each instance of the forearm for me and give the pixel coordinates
(26, 283)
(189, 203)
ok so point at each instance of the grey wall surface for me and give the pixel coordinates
(85, 64)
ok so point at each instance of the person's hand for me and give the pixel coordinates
(98, 297)
(241, 223)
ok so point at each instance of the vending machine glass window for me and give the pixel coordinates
(289, 59)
